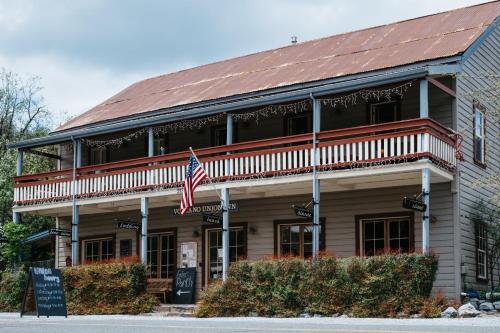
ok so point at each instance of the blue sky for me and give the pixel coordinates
(85, 51)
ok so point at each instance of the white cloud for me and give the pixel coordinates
(86, 51)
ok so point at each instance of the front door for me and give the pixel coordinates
(213, 250)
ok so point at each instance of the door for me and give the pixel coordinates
(213, 250)
(161, 256)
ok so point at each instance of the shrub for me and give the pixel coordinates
(380, 286)
(107, 288)
(12, 286)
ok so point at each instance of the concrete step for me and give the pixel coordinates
(171, 310)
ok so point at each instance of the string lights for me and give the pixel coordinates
(265, 112)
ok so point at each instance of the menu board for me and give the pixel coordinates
(184, 286)
(48, 292)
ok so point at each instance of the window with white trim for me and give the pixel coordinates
(481, 249)
(479, 134)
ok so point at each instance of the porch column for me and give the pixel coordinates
(77, 162)
(316, 185)
(145, 205)
(426, 182)
(16, 217)
(225, 205)
(144, 230)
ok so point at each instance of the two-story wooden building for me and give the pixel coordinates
(345, 126)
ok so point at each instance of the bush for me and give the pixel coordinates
(12, 286)
(380, 286)
(110, 288)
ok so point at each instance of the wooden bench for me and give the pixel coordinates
(159, 287)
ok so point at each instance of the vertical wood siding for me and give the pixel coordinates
(339, 210)
(484, 60)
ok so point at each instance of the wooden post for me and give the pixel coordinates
(225, 206)
(316, 184)
(16, 217)
(426, 183)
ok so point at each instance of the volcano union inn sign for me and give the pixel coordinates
(210, 208)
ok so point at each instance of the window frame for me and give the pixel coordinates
(288, 117)
(105, 154)
(478, 228)
(223, 127)
(358, 219)
(100, 238)
(159, 233)
(478, 108)
(204, 245)
(302, 222)
(371, 104)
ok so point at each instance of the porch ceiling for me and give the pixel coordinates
(336, 181)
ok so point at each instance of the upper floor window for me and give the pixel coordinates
(98, 155)
(219, 135)
(479, 133)
(481, 248)
(160, 144)
(298, 124)
(384, 112)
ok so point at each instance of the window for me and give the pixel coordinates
(98, 155)
(384, 112)
(95, 250)
(237, 250)
(219, 135)
(479, 134)
(161, 256)
(125, 248)
(160, 145)
(481, 248)
(295, 239)
(298, 124)
(385, 234)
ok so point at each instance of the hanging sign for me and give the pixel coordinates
(214, 219)
(185, 283)
(303, 212)
(233, 206)
(60, 232)
(129, 226)
(46, 286)
(414, 204)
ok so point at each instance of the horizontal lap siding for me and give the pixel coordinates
(484, 60)
(339, 209)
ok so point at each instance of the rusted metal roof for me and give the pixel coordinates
(425, 38)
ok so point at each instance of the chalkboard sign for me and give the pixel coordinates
(184, 285)
(48, 292)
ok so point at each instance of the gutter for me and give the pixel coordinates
(230, 104)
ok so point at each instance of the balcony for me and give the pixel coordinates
(362, 147)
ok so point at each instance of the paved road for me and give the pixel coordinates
(11, 323)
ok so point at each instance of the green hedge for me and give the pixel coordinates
(12, 286)
(377, 286)
(111, 288)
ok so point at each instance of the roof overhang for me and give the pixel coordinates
(234, 103)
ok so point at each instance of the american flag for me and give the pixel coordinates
(194, 175)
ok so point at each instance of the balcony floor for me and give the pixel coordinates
(331, 181)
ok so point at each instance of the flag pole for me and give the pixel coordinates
(208, 177)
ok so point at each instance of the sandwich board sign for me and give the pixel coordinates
(184, 285)
(46, 287)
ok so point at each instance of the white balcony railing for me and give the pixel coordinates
(358, 147)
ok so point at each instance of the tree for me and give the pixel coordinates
(22, 116)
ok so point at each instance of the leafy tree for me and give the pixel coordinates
(23, 115)
(11, 247)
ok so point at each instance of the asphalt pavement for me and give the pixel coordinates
(12, 323)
